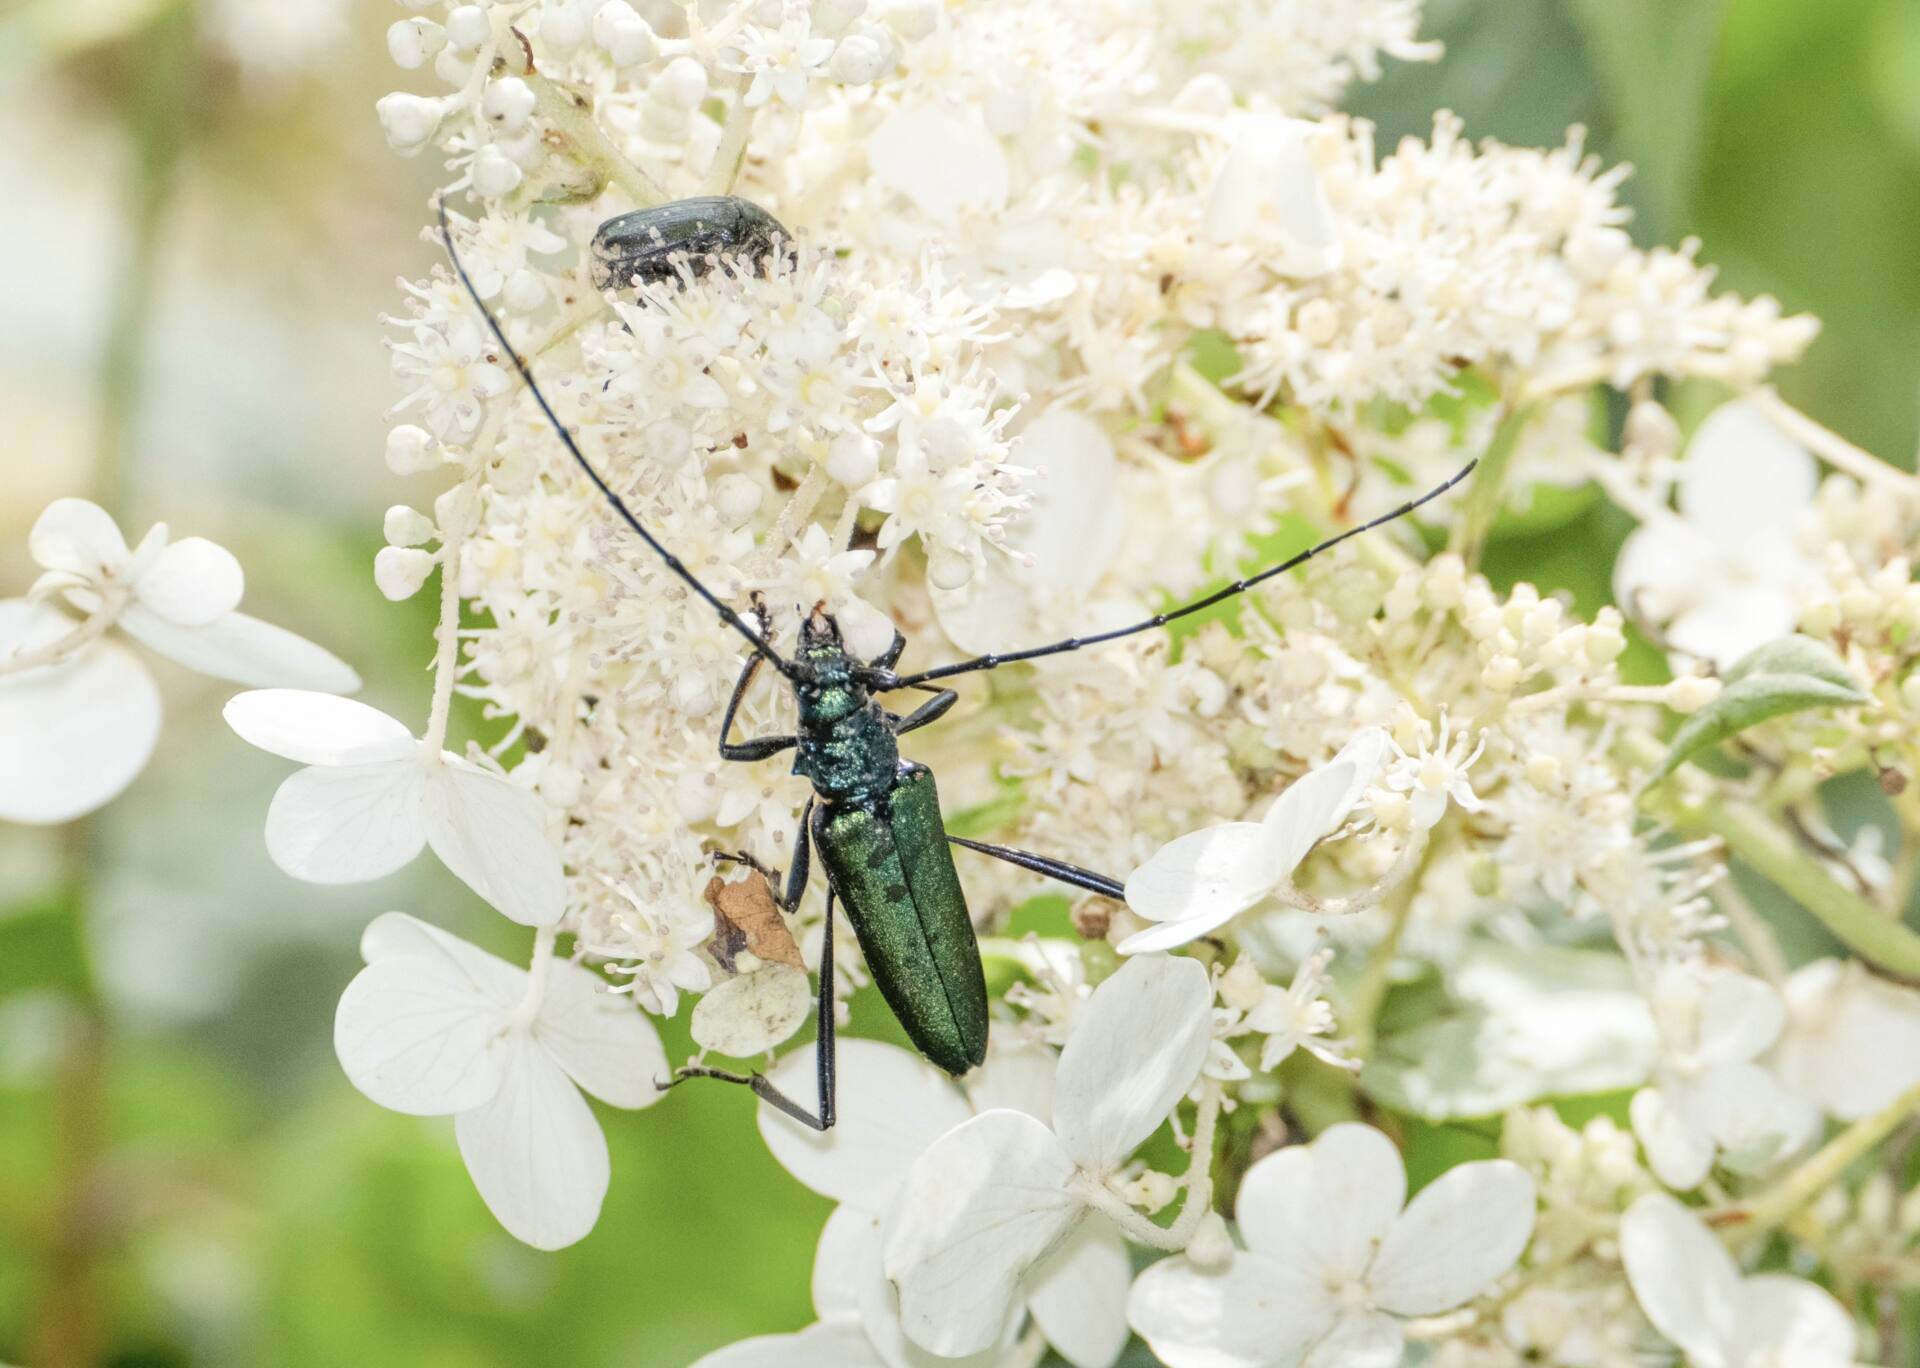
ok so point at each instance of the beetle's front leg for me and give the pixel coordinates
(760, 747)
(930, 711)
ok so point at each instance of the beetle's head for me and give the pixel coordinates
(822, 651)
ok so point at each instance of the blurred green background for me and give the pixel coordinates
(197, 246)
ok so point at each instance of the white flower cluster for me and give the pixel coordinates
(1078, 302)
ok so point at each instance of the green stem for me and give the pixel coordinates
(1774, 854)
(1371, 992)
(571, 116)
(1759, 1215)
(1488, 489)
(163, 75)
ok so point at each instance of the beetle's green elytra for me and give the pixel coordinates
(650, 244)
(874, 819)
(893, 869)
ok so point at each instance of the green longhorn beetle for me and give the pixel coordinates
(874, 818)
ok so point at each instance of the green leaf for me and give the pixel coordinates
(1786, 676)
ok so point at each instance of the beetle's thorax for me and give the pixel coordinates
(847, 748)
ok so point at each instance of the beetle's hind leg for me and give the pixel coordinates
(826, 1038)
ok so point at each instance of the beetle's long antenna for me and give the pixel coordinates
(988, 662)
(673, 563)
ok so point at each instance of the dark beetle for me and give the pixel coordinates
(874, 818)
(649, 244)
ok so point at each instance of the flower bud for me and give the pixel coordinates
(494, 172)
(627, 39)
(860, 58)
(948, 569)
(1242, 986)
(411, 450)
(409, 121)
(1690, 693)
(399, 571)
(411, 42)
(668, 443)
(408, 526)
(468, 27)
(507, 103)
(735, 498)
(853, 459)
(563, 27)
(683, 85)
(911, 19)
(1503, 674)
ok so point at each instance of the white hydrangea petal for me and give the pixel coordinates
(1267, 188)
(348, 823)
(192, 582)
(1791, 1321)
(1137, 1046)
(414, 1034)
(1854, 1045)
(941, 161)
(1737, 619)
(1072, 529)
(535, 1151)
(1661, 566)
(77, 733)
(316, 728)
(1319, 801)
(979, 1208)
(1462, 1231)
(1743, 477)
(79, 537)
(892, 1105)
(1678, 1154)
(243, 649)
(1324, 1206)
(1359, 1339)
(1077, 1295)
(751, 1014)
(1255, 1313)
(1740, 1016)
(603, 1040)
(1753, 1120)
(1017, 1078)
(817, 1346)
(859, 1292)
(395, 935)
(493, 835)
(1206, 877)
(849, 1249)
(1683, 1278)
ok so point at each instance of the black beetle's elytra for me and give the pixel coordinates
(651, 244)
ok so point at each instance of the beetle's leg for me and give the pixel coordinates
(760, 747)
(824, 1052)
(798, 869)
(931, 710)
(890, 657)
(1073, 875)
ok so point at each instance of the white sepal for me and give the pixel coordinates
(75, 734)
(980, 1206)
(1136, 1047)
(317, 728)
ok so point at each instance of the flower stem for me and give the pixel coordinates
(94, 626)
(731, 154)
(539, 973)
(1488, 489)
(1198, 1183)
(1759, 1215)
(571, 116)
(446, 658)
(1771, 851)
(1830, 446)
